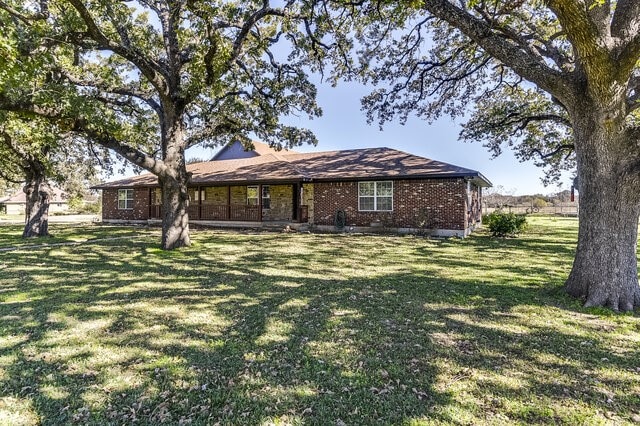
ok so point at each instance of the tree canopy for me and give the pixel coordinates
(558, 81)
(151, 78)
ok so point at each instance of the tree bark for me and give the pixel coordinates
(38, 196)
(174, 180)
(175, 219)
(605, 270)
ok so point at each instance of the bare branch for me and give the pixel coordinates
(523, 60)
(152, 70)
(122, 90)
(559, 149)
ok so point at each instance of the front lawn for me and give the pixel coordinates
(270, 328)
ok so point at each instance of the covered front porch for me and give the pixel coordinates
(240, 203)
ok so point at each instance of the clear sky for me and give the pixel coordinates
(344, 126)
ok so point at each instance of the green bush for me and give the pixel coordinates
(503, 224)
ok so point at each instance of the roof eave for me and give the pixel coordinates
(477, 177)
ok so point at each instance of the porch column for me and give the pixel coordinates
(149, 216)
(199, 202)
(260, 202)
(296, 201)
(228, 202)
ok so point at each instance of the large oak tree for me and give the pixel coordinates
(184, 72)
(33, 151)
(34, 154)
(558, 80)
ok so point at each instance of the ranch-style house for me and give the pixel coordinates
(358, 189)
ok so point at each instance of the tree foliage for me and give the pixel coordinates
(557, 80)
(423, 65)
(34, 153)
(151, 78)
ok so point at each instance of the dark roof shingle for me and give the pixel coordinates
(353, 164)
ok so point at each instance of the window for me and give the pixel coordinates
(266, 197)
(194, 194)
(252, 195)
(125, 199)
(156, 196)
(375, 196)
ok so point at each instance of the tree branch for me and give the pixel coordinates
(211, 131)
(633, 89)
(134, 155)
(544, 156)
(40, 15)
(83, 126)
(245, 28)
(590, 42)
(523, 60)
(625, 23)
(122, 90)
(152, 70)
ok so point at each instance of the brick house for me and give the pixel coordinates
(360, 189)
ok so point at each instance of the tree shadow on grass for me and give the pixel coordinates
(293, 336)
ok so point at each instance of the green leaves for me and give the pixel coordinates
(527, 121)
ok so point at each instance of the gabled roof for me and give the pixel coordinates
(19, 197)
(235, 150)
(287, 166)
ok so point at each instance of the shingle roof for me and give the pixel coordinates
(19, 197)
(259, 148)
(353, 164)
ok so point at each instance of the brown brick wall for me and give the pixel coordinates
(429, 203)
(140, 209)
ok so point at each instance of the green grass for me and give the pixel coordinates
(11, 236)
(11, 217)
(266, 328)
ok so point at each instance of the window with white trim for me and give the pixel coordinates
(156, 196)
(252, 195)
(375, 196)
(125, 199)
(266, 197)
(195, 195)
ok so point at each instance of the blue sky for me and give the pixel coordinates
(344, 126)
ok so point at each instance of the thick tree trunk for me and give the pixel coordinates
(38, 196)
(605, 270)
(175, 220)
(175, 195)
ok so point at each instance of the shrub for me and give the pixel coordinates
(539, 203)
(84, 207)
(503, 224)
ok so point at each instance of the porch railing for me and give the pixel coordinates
(239, 212)
(244, 213)
(214, 212)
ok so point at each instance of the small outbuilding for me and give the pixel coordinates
(17, 203)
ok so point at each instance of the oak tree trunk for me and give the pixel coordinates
(175, 219)
(605, 270)
(38, 196)
(175, 195)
